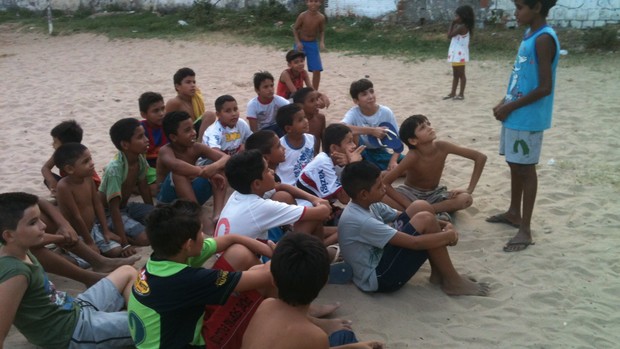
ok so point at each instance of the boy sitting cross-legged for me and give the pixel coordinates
(385, 257)
(80, 203)
(176, 169)
(300, 268)
(307, 98)
(125, 173)
(167, 302)
(298, 143)
(46, 317)
(228, 133)
(262, 109)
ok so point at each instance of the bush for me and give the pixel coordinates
(604, 38)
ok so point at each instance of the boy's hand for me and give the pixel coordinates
(70, 237)
(453, 193)
(108, 235)
(371, 345)
(319, 202)
(339, 159)
(218, 181)
(392, 165)
(451, 233)
(378, 132)
(300, 47)
(356, 155)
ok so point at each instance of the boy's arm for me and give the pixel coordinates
(145, 191)
(478, 158)
(296, 26)
(114, 206)
(46, 171)
(100, 214)
(225, 241)
(65, 230)
(253, 124)
(300, 194)
(219, 161)
(70, 211)
(170, 161)
(392, 175)
(286, 79)
(11, 293)
(545, 51)
(448, 236)
(318, 213)
(393, 161)
(322, 32)
(378, 132)
(255, 278)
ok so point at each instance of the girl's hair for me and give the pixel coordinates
(466, 13)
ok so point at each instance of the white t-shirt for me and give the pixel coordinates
(322, 177)
(265, 114)
(295, 159)
(355, 117)
(227, 139)
(251, 215)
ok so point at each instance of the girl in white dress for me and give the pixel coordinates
(459, 33)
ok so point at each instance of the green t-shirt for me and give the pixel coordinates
(166, 306)
(46, 317)
(116, 173)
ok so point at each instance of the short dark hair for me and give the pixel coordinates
(261, 76)
(334, 134)
(301, 95)
(67, 132)
(284, 116)
(300, 268)
(12, 207)
(545, 5)
(466, 13)
(294, 54)
(358, 176)
(219, 102)
(182, 74)
(359, 86)
(67, 154)
(123, 130)
(147, 99)
(171, 122)
(169, 226)
(261, 140)
(243, 168)
(407, 128)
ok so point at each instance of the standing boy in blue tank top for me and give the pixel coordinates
(525, 113)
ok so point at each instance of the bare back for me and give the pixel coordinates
(309, 24)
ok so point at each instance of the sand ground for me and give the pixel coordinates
(560, 293)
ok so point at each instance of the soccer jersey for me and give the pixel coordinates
(166, 305)
(265, 114)
(157, 139)
(227, 139)
(295, 159)
(321, 177)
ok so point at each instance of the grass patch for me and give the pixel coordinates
(269, 24)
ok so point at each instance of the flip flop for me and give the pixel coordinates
(390, 140)
(517, 246)
(501, 218)
(459, 98)
(447, 97)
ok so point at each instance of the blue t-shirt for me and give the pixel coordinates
(524, 78)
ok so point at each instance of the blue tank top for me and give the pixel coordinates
(524, 78)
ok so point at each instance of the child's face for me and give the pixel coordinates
(298, 64)
(347, 145)
(155, 113)
(523, 13)
(310, 105)
(229, 115)
(276, 154)
(423, 133)
(265, 90)
(185, 135)
(313, 5)
(366, 99)
(56, 142)
(30, 228)
(83, 167)
(139, 143)
(187, 86)
(300, 124)
(377, 191)
(267, 181)
(197, 245)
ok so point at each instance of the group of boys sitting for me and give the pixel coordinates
(280, 181)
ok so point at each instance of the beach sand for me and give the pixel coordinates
(560, 293)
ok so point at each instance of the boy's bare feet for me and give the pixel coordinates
(107, 265)
(128, 251)
(322, 310)
(465, 287)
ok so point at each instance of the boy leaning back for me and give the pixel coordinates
(384, 257)
(166, 306)
(365, 120)
(46, 317)
(525, 113)
(310, 26)
(423, 166)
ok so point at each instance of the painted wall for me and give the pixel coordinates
(567, 13)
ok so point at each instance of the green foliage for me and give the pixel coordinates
(202, 12)
(604, 38)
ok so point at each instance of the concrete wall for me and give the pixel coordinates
(567, 13)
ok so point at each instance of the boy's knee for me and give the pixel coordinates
(141, 239)
(465, 200)
(240, 258)
(424, 222)
(283, 196)
(419, 206)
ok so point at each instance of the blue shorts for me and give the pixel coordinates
(134, 217)
(313, 57)
(398, 265)
(342, 337)
(520, 147)
(201, 187)
(379, 157)
(97, 234)
(101, 323)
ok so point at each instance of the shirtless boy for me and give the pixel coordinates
(310, 26)
(423, 166)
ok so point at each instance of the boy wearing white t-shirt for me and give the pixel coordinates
(228, 134)
(262, 109)
(298, 143)
(248, 213)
